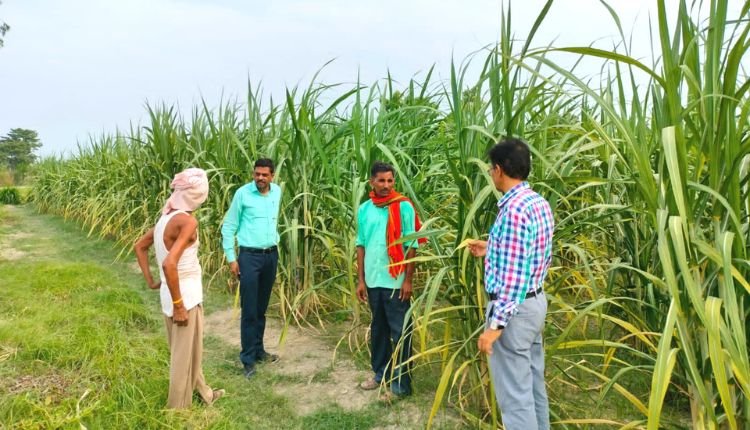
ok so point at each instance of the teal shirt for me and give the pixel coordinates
(371, 227)
(252, 218)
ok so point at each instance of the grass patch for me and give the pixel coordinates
(7, 220)
(335, 417)
(86, 344)
(322, 375)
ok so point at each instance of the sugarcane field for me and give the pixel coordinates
(375, 215)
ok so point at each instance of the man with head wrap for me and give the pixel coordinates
(175, 239)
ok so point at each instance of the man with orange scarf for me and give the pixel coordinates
(384, 278)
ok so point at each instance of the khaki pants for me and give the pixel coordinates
(185, 371)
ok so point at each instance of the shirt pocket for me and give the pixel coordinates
(273, 209)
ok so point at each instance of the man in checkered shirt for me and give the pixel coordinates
(517, 256)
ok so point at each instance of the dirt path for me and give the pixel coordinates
(320, 381)
(306, 359)
(7, 251)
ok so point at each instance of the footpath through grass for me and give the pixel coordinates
(82, 344)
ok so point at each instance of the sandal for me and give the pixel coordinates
(369, 384)
(387, 397)
(391, 397)
(217, 394)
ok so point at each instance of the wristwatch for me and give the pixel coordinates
(496, 326)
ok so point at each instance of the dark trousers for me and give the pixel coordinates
(387, 328)
(257, 276)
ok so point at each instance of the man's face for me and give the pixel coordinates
(496, 173)
(382, 183)
(262, 177)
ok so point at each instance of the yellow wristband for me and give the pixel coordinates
(177, 301)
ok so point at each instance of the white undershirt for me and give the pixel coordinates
(188, 270)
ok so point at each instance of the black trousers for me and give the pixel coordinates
(257, 276)
(388, 316)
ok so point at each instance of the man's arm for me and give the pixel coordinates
(406, 287)
(229, 230)
(408, 226)
(187, 226)
(512, 281)
(360, 243)
(361, 285)
(141, 254)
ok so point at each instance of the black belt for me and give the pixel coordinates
(529, 295)
(257, 250)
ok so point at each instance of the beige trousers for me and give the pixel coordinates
(186, 351)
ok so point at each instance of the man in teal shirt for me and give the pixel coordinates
(252, 220)
(384, 280)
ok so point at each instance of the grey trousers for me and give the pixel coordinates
(517, 368)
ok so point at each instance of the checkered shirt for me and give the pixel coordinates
(519, 250)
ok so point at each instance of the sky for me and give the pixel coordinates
(79, 68)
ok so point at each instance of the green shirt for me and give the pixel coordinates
(252, 218)
(371, 227)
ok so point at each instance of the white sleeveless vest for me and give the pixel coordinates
(188, 270)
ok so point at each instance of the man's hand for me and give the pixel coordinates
(180, 315)
(486, 340)
(362, 291)
(478, 248)
(234, 267)
(155, 285)
(405, 293)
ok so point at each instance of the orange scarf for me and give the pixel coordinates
(393, 229)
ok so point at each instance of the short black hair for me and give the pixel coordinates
(513, 156)
(380, 167)
(264, 162)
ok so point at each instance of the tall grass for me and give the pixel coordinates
(648, 183)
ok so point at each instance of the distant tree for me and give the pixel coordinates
(17, 148)
(4, 27)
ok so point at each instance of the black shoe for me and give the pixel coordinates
(268, 358)
(249, 370)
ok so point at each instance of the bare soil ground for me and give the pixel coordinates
(305, 358)
(318, 380)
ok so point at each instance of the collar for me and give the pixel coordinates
(518, 189)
